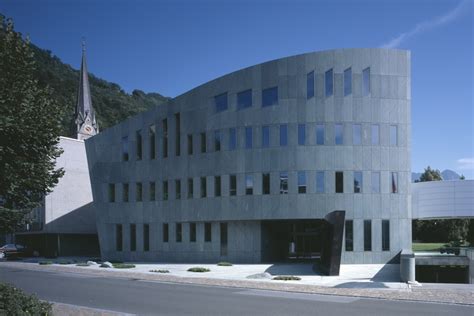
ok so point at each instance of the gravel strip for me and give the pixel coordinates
(450, 296)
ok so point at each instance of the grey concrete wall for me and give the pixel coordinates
(387, 104)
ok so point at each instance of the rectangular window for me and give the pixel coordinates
(165, 190)
(347, 81)
(152, 141)
(283, 135)
(233, 185)
(125, 148)
(375, 134)
(244, 99)
(301, 182)
(111, 192)
(166, 232)
(165, 138)
(320, 182)
(179, 232)
(133, 237)
(220, 102)
(266, 183)
(357, 181)
(177, 188)
(190, 144)
(248, 184)
(118, 237)
(217, 140)
(319, 134)
(192, 232)
(375, 182)
(217, 186)
(394, 186)
(301, 134)
(385, 235)
(203, 187)
(270, 96)
(203, 142)
(356, 134)
(248, 137)
(207, 232)
(393, 135)
(367, 235)
(310, 85)
(339, 182)
(125, 193)
(232, 139)
(349, 238)
(284, 182)
(366, 82)
(146, 237)
(338, 134)
(223, 229)
(265, 136)
(190, 188)
(177, 144)
(152, 191)
(139, 192)
(139, 140)
(329, 83)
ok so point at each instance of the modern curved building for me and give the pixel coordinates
(291, 158)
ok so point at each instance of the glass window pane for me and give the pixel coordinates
(265, 136)
(329, 83)
(357, 181)
(207, 232)
(217, 186)
(310, 85)
(394, 186)
(375, 182)
(356, 134)
(320, 134)
(192, 232)
(177, 187)
(165, 138)
(347, 81)
(233, 185)
(366, 82)
(367, 235)
(244, 99)
(190, 188)
(165, 190)
(203, 187)
(203, 142)
(165, 232)
(393, 135)
(232, 139)
(217, 140)
(221, 102)
(301, 134)
(125, 148)
(349, 238)
(139, 140)
(320, 182)
(248, 137)
(190, 144)
(283, 135)
(125, 192)
(266, 183)
(111, 192)
(179, 232)
(301, 182)
(338, 134)
(339, 182)
(270, 96)
(152, 141)
(385, 235)
(139, 192)
(146, 237)
(375, 134)
(283, 182)
(248, 184)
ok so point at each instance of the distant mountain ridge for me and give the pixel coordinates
(446, 175)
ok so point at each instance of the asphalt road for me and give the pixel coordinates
(158, 298)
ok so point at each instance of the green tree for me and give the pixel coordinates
(462, 177)
(30, 123)
(430, 175)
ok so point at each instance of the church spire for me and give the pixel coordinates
(85, 122)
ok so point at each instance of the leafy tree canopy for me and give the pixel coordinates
(431, 175)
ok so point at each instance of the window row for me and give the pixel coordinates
(349, 235)
(265, 134)
(269, 96)
(249, 184)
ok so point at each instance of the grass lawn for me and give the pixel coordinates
(427, 247)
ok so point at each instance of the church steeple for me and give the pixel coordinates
(85, 122)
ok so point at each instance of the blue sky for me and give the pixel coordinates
(172, 46)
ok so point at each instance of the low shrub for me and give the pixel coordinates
(45, 262)
(66, 261)
(160, 271)
(123, 265)
(14, 301)
(114, 261)
(287, 278)
(198, 269)
(224, 264)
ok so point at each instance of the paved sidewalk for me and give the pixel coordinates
(354, 287)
